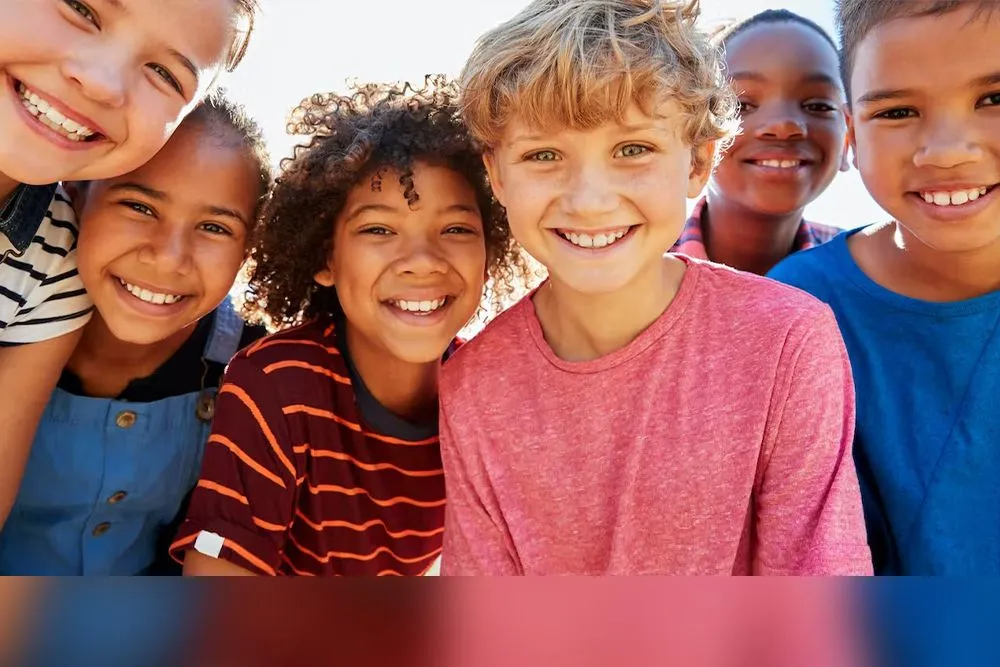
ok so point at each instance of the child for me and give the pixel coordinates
(88, 90)
(324, 455)
(918, 299)
(791, 145)
(120, 443)
(655, 414)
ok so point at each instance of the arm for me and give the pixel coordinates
(474, 543)
(809, 517)
(28, 373)
(244, 501)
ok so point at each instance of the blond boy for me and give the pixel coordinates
(638, 413)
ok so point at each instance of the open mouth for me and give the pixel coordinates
(779, 164)
(592, 240)
(945, 198)
(422, 307)
(150, 297)
(52, 118)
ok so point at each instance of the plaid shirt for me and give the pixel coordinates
(692, 241)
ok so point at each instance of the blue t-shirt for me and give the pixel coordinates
(927, 445)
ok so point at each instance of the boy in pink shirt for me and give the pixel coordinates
(639, 413)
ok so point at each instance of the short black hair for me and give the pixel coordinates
(856, 18)
(771, 16)
(228, 121)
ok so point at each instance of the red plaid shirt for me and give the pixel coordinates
(692, 240)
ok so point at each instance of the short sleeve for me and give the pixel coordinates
(243, 504)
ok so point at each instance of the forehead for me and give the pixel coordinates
(196, 167)
(937, 54)
(437, 185)
(803, 51)
(662, 115)
(201, 30)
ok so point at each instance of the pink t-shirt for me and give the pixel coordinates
(716, 442)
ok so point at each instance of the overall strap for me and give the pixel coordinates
(227, 330)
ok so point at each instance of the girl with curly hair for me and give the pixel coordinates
(374, 250)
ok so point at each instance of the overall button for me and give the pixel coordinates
(117, 498)
(125, 419)
(101, 528)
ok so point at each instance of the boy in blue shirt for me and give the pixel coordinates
(88, 90)
(918, 298)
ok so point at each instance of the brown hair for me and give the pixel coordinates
(376, 127)
(856, 18)
(581, 63)
(246, 14)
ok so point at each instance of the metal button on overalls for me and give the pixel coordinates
(101, 528)
(125, 419)
(117, 498)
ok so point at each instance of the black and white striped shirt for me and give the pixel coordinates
(41, 295)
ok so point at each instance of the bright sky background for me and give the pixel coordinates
(308, 46)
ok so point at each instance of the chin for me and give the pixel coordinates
(412, 353)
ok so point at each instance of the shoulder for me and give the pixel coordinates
(812, 268)
(500, 340)
(312, 343)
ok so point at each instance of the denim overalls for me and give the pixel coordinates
(106, 477)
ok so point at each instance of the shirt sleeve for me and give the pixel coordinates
(475, 539)
(809, 519)
(53, 300)
(243, 504)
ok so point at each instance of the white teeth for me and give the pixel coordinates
(780, 164)
(424, 307)
(956, 198)
(51, 118)
(155, 298)
(593, 240)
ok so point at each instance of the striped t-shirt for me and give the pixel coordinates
(306, 474)
(41, 295)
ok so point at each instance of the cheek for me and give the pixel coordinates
(218, 268)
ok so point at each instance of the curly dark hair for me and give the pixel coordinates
(376, 127)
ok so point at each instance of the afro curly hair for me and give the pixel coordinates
(376, 127)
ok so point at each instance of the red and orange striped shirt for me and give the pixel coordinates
(306, 474)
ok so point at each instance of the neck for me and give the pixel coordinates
(7, 186)
(106, 364)
(747, 240)
(896, 260)
(584, 327)
(408, 390)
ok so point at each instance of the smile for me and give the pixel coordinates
(422, 307)
(588, 240)
(155, 298)
(54, 119)
(778, 164)
(954, 197)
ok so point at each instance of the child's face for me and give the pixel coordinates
(598, 207)
(793, 123)
(926, 127)
(93, 89)
(407, 278)
(161, 246)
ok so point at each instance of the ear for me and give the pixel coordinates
(493, 172)
(324, 276)
(851, 141)
(845, 155)
(77, 191)
(702, 163)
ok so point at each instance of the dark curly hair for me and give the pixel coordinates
(377, 127)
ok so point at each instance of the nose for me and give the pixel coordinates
(168, 251)
(947, 143)
(589, 193)
(101, 77)
(421, 257)
(780, 125)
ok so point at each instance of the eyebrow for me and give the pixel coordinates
(812, 77)
(152, 193)
(186, 62)
(382, 208)
(883, 95)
